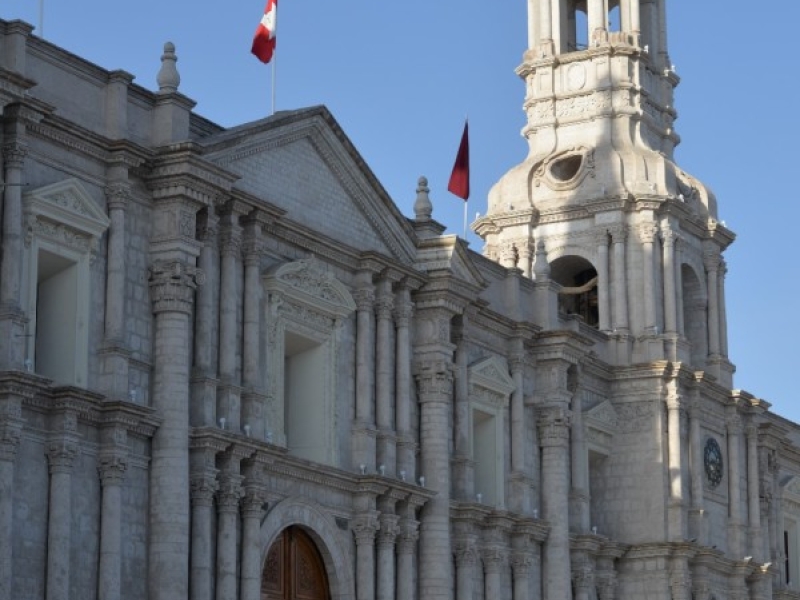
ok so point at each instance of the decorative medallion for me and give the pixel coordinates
(712, 457)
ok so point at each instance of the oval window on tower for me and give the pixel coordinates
(566, 168)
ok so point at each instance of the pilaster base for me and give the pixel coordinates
(463, 484)
(387, 451)
(676, 527)
(364, 447)
(203, 406)
(406, 458)
(114, 377)
(253, 414)
(229, 407)
(698, 526)
(520, 493)
(14, 342)
(621, 347)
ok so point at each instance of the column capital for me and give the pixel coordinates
(466, 552)
(618, 233)
(711, 260)
(403, 311)
(647, 232)
(253, 501)
(118, 194)
(61, 452)
(583, 577)
(600, 236)
(669, 236)
(10, 428)
(230, 240)
(434, 378)
(384, 304)
(204, 486)
(733, 422)
(521, 562)
(516, 361)
(112, 466)
(553, 424)
(494, 558)
(229, 492)
(172, 285)
(365, 527)
(389, 529)
(607, 585)
(207, 228)
(408, 535)
(364, 298)
(14, 154)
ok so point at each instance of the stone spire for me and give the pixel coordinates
(168, 78)
(423, 208)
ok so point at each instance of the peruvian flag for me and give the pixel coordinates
(459, 178)
(264, 39)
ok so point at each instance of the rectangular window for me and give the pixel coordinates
(304, 395)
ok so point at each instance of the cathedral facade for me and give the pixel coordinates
(231, 369)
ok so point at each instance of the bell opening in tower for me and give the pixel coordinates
(578, 295)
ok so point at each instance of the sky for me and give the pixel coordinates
(400, 78)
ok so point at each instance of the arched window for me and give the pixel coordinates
(578, 295)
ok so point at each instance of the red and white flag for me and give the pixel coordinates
(459, 178)
(264, 39)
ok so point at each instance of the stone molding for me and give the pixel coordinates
(172, 286)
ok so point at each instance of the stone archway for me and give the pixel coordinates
(331, 542)
(294, 569)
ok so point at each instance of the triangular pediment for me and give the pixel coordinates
(447, 253)
(67, 203)
(309, 283)
(792, 488)
(302, 162)
(602, 417)
(492, 374)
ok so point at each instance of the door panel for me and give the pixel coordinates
(294, 569)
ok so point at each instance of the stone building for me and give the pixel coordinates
(230, 368)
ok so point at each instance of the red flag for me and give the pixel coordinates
(459, 179)
(264, 39)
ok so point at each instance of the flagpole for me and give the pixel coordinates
(41, 19)
(274, 61)
(466, 203)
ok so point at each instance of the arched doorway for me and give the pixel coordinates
(293, 569)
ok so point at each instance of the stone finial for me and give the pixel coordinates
(541, 268)
(423, 209)
(168, 78)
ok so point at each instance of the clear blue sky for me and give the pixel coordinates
(401, 76)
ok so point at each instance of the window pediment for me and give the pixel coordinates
(602, 417)
(490, 377)
(306, 282)
(64, 213)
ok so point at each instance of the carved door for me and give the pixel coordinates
(294, 569)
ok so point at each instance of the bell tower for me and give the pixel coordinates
(634, 241)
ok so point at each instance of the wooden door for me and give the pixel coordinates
(294, 569)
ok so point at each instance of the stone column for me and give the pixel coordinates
(172, 285)
(647, 235)
(252, 511)
(435, 384)
(112, 464)
(670, 294)
(579, 495)
(635, 20)
(364, 426)
(228, 393)
(204, 487)
(603, 284)
(253, 396)
(521, 571)
(583, 579)
(12, 322)
(10, 429)
(519, 482)
(228, 496)
(406, 549)
(386, 544)
(618, 237)
(680, 578)
(679, 291)
(384, 363)
(494, 562)
(734, 426)
(711, 261)
(546, 21)
(525, 257)
(62, 448)
(723, 317)
(696, 449)
(206, 330)
(756, 543)
(596, 18)
(675, 455)
(466, 559)
(553, 425)
(463, 476)
(116, 358)
(365, 526)
(406, 452)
